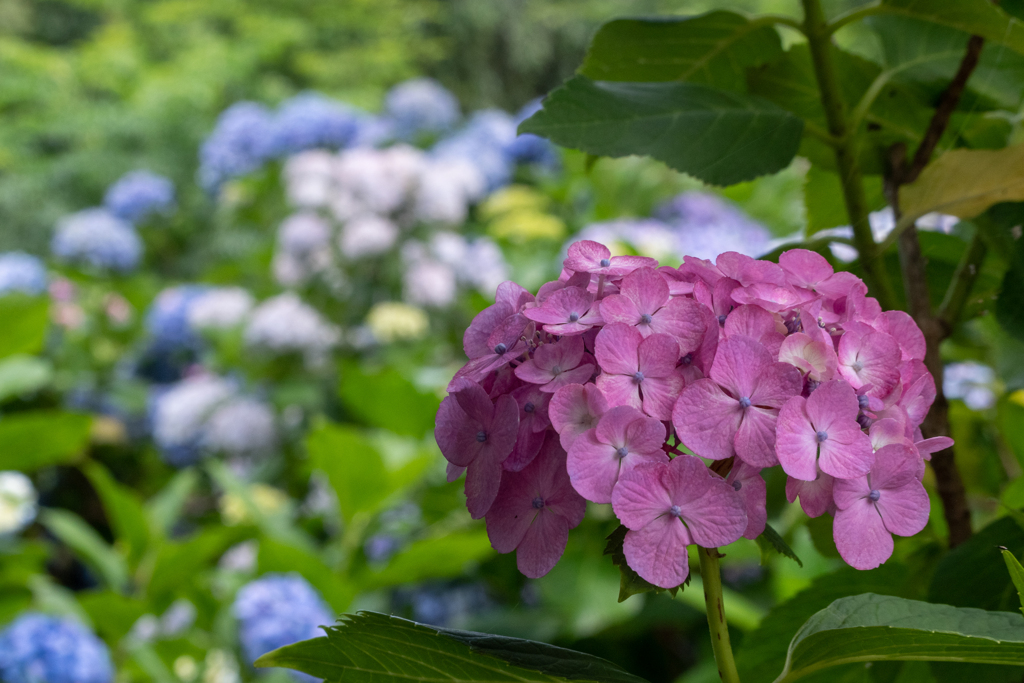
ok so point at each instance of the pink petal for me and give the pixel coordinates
(684, 320)
(620, 390)
(750, 321)
(585, 254)
(706, 419)
(474, 341)
(512, 295)
(747, 270)
(815, 496)
(832, 403)
(713, 511)
(805, 268)
(738, 365)
(453, 472)
(475, 402)
(455, 433)
(617, 349)
(905, 331)
(526, 449)
(777, 383)
(611, 428)
(796, 445)
(575, 376)
(870, 359)
(896, 465)
(618, 308)
(933, 445)
(746, 480)
(755, 438)
(659, 395)
(543, 545)
(813, 357)
(483, 479)
(574, 409)
(531, 372)
(658, 355)
(647, 288)
(846, 492)
(887, 431)
(771, 297)
(846, 460)
(658, 552)
(861, 537)
(904, 510)
(559, 307)
(510, 515)
(640, 497)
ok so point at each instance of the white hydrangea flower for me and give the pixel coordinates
(220, 308)
(379, 180)
(17, 502)
(286, 324)
(447, 186)
(971, 382)
(367, 235)
(180, 413)
(241, 426)
(303, 233)
(479, 264)
(429, 283)
(309, 179)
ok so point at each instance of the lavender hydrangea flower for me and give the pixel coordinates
(277, 610)
(38, 648)
(970, 382)
(241, 426)
(239, 144)
(286, 324)
(139, 194)
(21, 272)
(310, 120)
(421, 105)
(96, 238)
(167, 320)
(178, 415)
(707, 226)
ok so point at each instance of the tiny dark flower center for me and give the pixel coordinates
(481, 436)
(687, 359)
(622, 452)
(874, 495)
(721, 320)
(638, 377)
(646, 318)
(737, 485)
(556, 370)
(574, 316)
(675, 511)
(863, 401)
(744, 402)
(529, 407)
(605, 262)
(821, 436)
(857, 366)
(538, 503)
(500, 349)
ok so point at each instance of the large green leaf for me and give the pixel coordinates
(823, 198)
(124, 510)
(22, 374)
(25, 320)
(770, 541)
(352, 465)
(872, 628)
(717, 136)
(40, 438)
(75, 533)
(371, 648)
(713, 48)
(179, 562)
(762, 653)
(388, 400)
(275, 556)
(1016, 575)
(430, 558)
(976, 17)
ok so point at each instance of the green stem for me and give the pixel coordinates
(711, 576)
(819, 40)
(963, 280)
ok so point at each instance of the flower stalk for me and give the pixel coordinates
(711, 575)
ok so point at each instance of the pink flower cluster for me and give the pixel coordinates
(601, 386)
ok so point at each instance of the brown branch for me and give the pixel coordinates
(915, 285)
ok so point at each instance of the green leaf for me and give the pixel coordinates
(717, 136)
(280, 557)
(179, 562)
(387, 400)
(713, 48)
(771, 542)
(352, 465)
(124, 510)
(975, 17)
(25, 320)
(430, 558)
(823, 198)
(112, 614)
(41, 438)
(822, 537)
(762, 653)
(21, 374)
(872, 628)
(631, 583)
(370, 647)
(75, 533)
(1016, 574)
(165, 507)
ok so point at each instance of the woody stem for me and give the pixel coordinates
(711, 575)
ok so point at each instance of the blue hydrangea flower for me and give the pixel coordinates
(97, 238)
(139, 194)
(707, 225)
(167, 319)
(529, 148)
(38, 648)
(277, 610)
(239, 144)
(20, 272)
(970, 382)
(310, 120)
(421, 105)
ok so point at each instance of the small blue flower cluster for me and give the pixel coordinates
(239, 144)
(139, 194)
(309, 121)
(20, 272)
(37, 648)
(277, 610)
(443, 604)
(167, 317)
(421, 106)
(96, 238)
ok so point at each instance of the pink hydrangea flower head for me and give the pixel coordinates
(645, 303)
(756, 323)
(587, 256)
(574, 409)
(901, 327)
(556, 364)
(734, 411)
(669, 506)
(504, 344)
(812, 271)
(533, 425)
(815, 496)
(697, 364)
(890, 499)
(568, 311)
(624, 438)
(746, 480)
(749, 271)
(509, 299)
(822, 431)
(679, 283)
(918, 391)
(717, 297)
(869, 358)
(816, 360)
(534, 511)
(771, 297)
(474, 433)
(636, 371)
